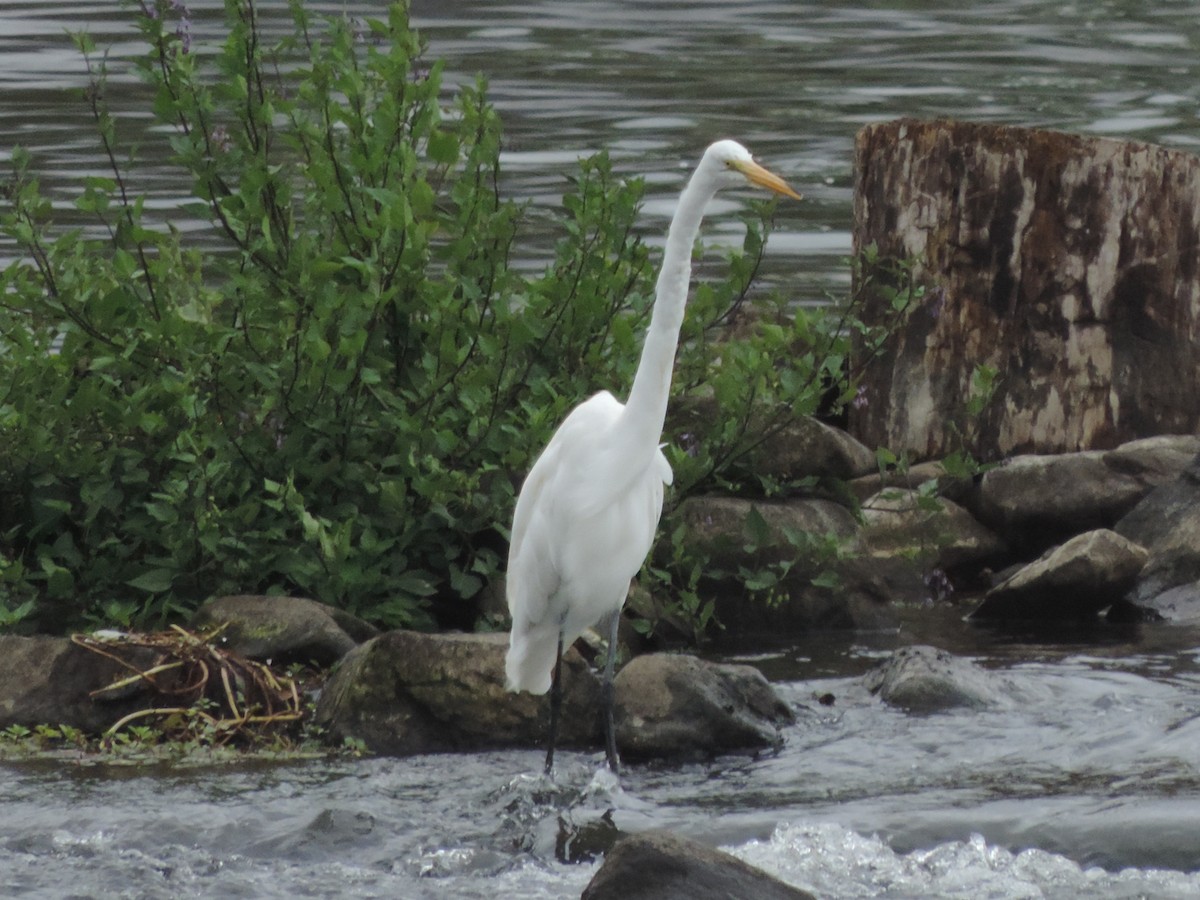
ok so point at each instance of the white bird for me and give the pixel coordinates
(588, 510)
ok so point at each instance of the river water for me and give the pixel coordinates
(1086, 784)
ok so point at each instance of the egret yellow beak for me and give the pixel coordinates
(756, 174)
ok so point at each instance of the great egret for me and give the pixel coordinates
(587, 513)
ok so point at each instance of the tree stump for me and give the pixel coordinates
(1067, 264)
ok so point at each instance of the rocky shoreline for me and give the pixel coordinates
(1109, 534)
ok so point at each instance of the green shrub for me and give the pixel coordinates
(335, 392)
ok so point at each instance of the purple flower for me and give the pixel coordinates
(937, 302)
(690, 443)
(860, 400)
(220, 140)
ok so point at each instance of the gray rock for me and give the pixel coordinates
(656, 865)
(283, 629)
(737, 534)
(810, 447)
(1036, 501)
(672, 706)
(1083, 577)
(722, 527)
(404, 693)
(53, 681)
(1167, 523)
(924, 679)
(937, 532)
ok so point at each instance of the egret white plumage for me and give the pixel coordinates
(588, 510)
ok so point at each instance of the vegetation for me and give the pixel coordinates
(334, 391)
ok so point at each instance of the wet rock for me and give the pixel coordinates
(1167, 523)
(660, 866)
(925, 679)
(283, 629)
(936, 532)
(1083, 577)
(404, 693)
(672, 706)
(53, 681)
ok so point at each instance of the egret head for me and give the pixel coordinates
(732, 166)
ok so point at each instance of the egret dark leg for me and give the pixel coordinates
(610, 731)
(555, 704)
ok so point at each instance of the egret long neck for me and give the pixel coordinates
(646, 408)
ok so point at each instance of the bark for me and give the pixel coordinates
(1068, 264)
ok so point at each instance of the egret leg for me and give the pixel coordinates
(610, 731)
(555, 704)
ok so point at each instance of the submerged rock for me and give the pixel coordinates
(1083, 577)
(404, 693)
(283, 629)
(671, 705)
(925, 679)
(660, 866)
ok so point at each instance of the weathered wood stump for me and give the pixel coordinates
(1068, 264)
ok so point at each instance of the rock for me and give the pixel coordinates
(936, 532)
(1083, 577)
(924, 679)
(1167, 523)
(1155, 460)
(805, 447)
(1065, 263)
(735, 535)
(810, 447)
(1035, 502)
(909, 478)
(283, 629)
(855, 593)
(675, 706)
(724, 527)
(656, 865)
(404, 693)
(51, 681)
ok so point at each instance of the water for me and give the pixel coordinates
(1088, 784)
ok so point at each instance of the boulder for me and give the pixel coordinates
(1081, 578)
(733, 531)
(1035, 502)
(854, 593)
(809, 447)
(925, 679)
(54, 681)
(804, 447)
(936, 532)
(1064, 263)
(656, 865)
(1167, 523)
(805, 548)
(404, 693)
(676, 706)
(283, 629)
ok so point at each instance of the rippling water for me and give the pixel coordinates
(1087, 785)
